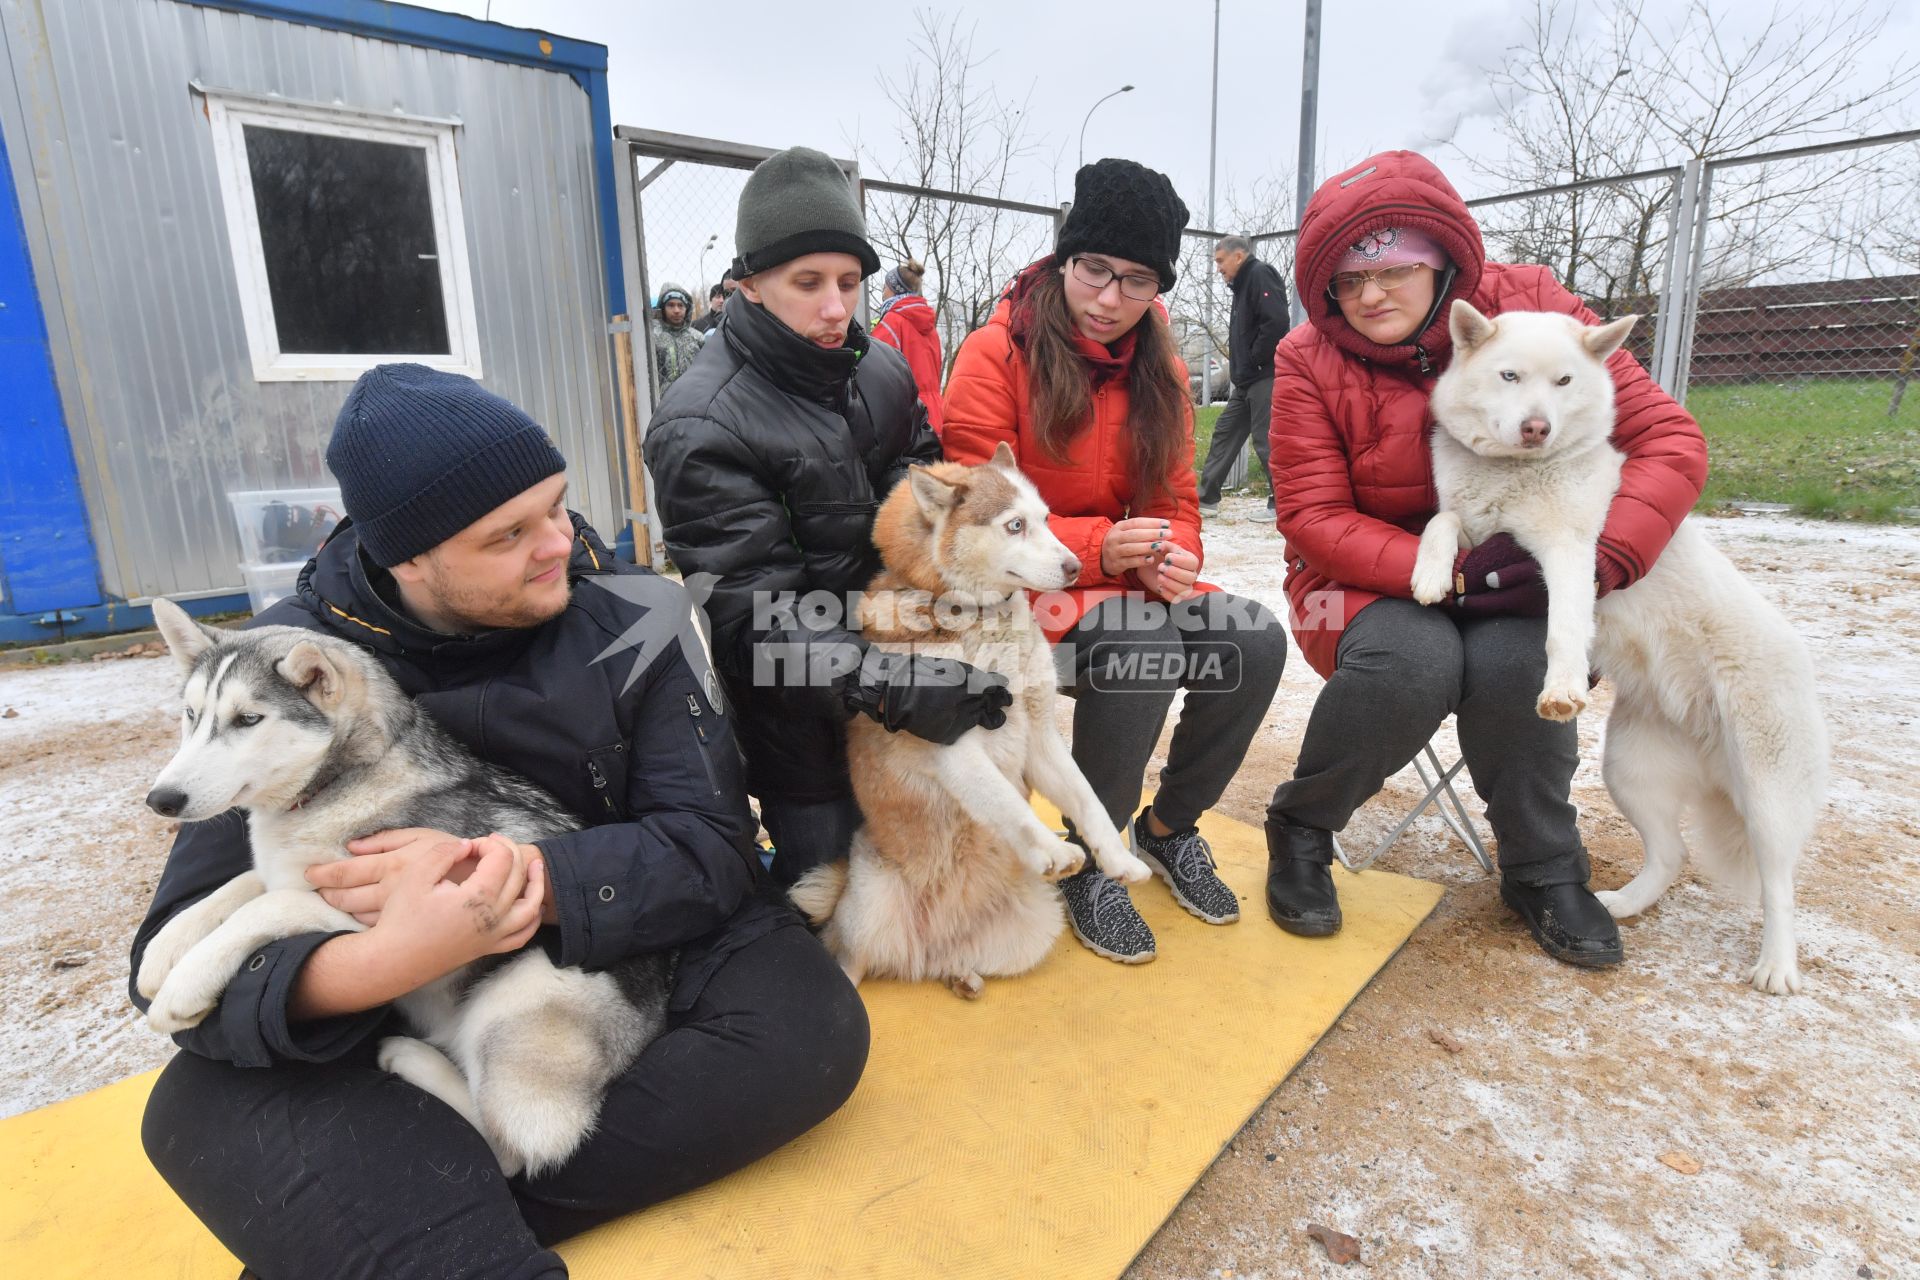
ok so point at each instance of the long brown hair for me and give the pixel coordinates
(1060, 386)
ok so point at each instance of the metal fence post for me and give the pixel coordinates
(1676, 282)
(1697, 272)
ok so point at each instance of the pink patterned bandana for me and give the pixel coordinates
(1391, 247)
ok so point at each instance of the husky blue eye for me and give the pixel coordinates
(1510, 375)
(1016, 525)
(248, 720)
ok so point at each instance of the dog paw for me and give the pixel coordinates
(1432, 582)
(179, 1007)
(1777, 976)
(1055, 859)
(1615, 901)
(967, 987)
(1124, 867)
(1562, 702)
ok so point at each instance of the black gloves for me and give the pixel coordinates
(938, 699)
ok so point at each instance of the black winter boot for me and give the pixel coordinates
(1567, 921)
(1300, 893)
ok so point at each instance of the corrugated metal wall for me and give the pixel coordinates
(143, 310)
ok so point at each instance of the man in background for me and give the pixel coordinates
(1258, 323)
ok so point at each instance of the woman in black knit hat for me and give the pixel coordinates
(769, 460)
(1077, 372)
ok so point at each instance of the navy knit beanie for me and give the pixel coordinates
(421, 454)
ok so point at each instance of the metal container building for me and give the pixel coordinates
(219, 212)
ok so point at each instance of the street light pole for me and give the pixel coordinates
(1125, 88)
(1309, 126)
(1213, 145)
(711, 240)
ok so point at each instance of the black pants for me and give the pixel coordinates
(339, 1170)
(808, 833)
(1403, 668)
(1248, 415)
(1126, 659)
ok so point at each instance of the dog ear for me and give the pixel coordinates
(322, 677)
(186, 639)
(1602, 340)
(1003, 458)
(1469, 328)
(935, 496)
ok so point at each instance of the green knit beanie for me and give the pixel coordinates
(798, 202)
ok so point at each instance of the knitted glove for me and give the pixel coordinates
(1497, 577)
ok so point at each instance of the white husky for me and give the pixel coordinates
(1714, 709)
(949, 877)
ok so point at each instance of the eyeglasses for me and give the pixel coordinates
(1098, 275)
(1347, 286)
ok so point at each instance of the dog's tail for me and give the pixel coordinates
(818, 891)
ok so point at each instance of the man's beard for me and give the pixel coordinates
(472, 611)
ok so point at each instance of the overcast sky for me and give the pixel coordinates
(1394, 73)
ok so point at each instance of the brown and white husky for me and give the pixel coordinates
(951, 876)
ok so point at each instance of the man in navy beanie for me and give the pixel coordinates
(463, 572)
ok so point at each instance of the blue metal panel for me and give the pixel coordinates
(46, 552)
(583, 60)
(105, 619)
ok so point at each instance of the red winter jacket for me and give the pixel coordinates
(906, 325)
(1350, 427)
(1092, 488)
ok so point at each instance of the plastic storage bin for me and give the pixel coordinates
(267, 583)
(283, 526)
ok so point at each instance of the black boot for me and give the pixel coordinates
(1300, 893)
(1567, 921)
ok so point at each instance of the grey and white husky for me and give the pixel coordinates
(312, 737)
(1714, 712)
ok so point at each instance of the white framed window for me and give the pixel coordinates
(348, 238)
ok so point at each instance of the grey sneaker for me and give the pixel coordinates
(1209, 509)
(1185, 861)
(1103, 917)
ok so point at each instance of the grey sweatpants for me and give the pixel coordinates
(1248, 414)
(1403, 668)
(1123, 662)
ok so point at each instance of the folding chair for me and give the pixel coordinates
(1439, 789)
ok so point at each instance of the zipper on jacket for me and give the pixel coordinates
(700, 735)
(1426, 366)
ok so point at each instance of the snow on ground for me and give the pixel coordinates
(1532, 1150)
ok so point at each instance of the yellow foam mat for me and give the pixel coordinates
(1047, 1129)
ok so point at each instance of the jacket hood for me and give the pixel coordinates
(669, 289)
(1016, 312)
(788, 360)
(345, 591)
(909, 309)
(1394, 188)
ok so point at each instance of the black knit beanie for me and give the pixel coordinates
(798, 202)
(1128, 211)
(421, 454)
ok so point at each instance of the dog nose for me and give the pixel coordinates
(166, 801)
(1070, 567)
(1535, 431)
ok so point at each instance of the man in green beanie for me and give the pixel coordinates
(769, 460)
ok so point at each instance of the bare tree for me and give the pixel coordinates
(1582, 101)
(954, 132)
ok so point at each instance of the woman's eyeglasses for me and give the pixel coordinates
(1346, 286)
(1098, 275)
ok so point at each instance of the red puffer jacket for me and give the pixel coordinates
(906, 325)
(1092, 488)
(1351, 426)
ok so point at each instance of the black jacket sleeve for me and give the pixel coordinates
(923, 449)
(681, 865)
(1271, 320)
(249, 1027)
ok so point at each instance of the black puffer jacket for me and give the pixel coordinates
(1258, 322)
(769, 458)
(670, 861)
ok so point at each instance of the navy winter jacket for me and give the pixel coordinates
(669, 860)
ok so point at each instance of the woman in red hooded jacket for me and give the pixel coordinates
(906, 323)
(1078, 374)
(1385, 248)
